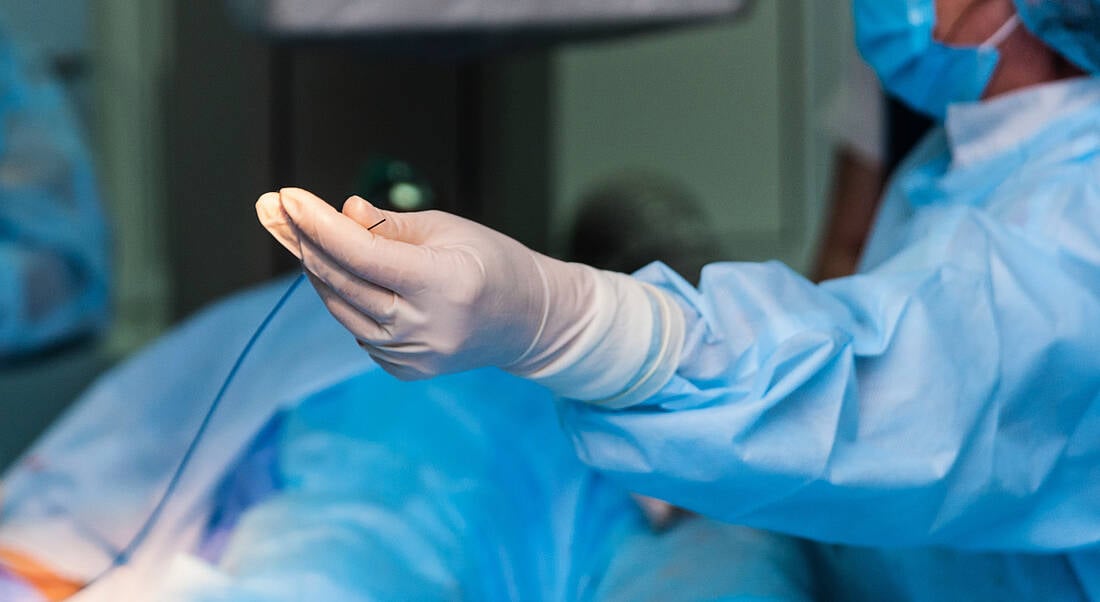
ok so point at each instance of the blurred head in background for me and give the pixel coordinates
(634, 218)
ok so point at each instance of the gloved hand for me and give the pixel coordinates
(431, 293)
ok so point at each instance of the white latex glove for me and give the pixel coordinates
(430, 293)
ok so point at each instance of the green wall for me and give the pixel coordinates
(730, 109)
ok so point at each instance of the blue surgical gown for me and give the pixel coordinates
(321, 477)
(948, 395)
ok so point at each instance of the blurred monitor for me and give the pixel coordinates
(342, 18)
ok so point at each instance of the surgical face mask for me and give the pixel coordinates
(896, 38)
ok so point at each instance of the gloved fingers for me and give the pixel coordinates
(401, 371)
(270, 211)
(391, 264)
(401, 352)
(360, 324)
(376, 302)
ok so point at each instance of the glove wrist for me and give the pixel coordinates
(603, 337)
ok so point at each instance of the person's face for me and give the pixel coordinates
(970, 22)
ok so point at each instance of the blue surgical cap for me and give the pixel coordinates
(1071, 27)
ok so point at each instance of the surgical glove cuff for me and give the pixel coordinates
(606, 338)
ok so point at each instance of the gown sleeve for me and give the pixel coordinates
(950, 396)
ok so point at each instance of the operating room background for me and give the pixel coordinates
(191, 117)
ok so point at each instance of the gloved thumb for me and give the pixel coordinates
(270, 211)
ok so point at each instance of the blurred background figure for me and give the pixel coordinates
(53, 240)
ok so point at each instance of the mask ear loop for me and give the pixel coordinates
(1002, 33)
(138, 539)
